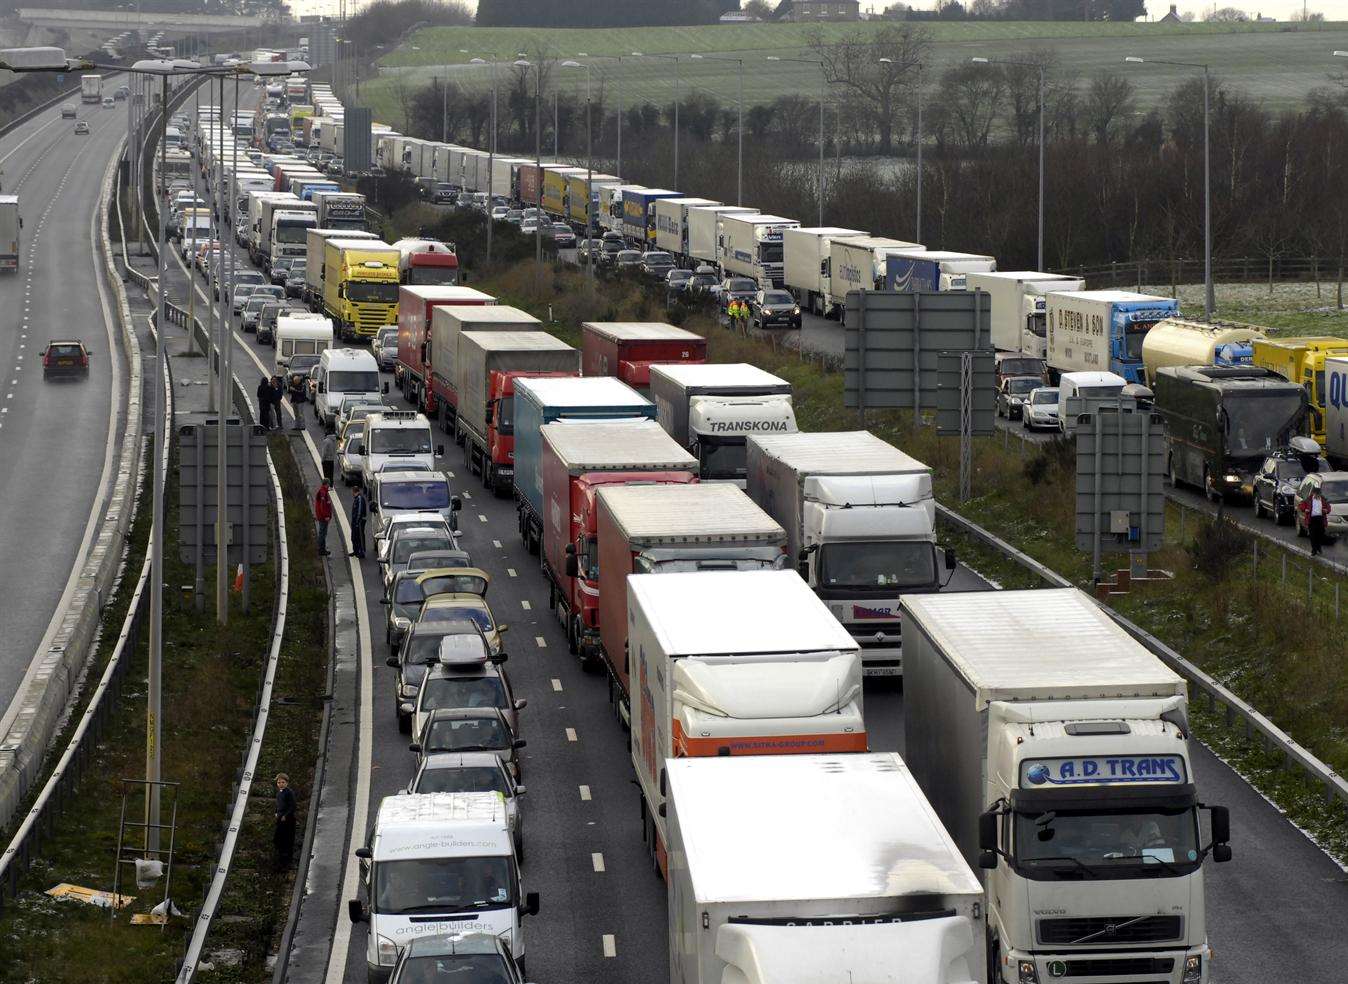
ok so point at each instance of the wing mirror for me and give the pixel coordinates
(356, 911)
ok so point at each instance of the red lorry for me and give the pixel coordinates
(657, 529)
(530, 185)
(428, 262)
(628, 349)
(412, 372)
(485, 371)
(577, 459)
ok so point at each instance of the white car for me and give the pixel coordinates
(1040, 408)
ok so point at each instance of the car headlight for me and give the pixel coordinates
(387, 951)
(1193, 968)
(1027, 972)
(795, 310)
(1233, 478)
(401, 623)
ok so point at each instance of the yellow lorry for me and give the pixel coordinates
(1302, 360)
(575, 195)
(360, 286)
(554, 188)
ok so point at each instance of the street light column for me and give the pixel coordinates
(1209, 300)
(1041, 168)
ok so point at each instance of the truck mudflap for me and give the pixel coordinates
(1150, 966)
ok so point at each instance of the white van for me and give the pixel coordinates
(439, 863)
(1088, 386)
(301, 333)
(345, 372)
(397, 437)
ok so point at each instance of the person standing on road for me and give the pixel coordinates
(264, 403)
(1315, 512)
(328, 452)
(360, 512)
(323, 515)
(284, 836)
(278, 392)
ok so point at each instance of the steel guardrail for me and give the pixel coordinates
(1216, 695)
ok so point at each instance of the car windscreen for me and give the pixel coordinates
(353, 381)
(1021, 386)
(778, 297)
(400, 440)
(428, 494)
(740, 284)
(462, 692)
(303, 363)
(477, 779)
(474, 734)
(1045, 396)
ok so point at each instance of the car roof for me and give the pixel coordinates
(65, 341)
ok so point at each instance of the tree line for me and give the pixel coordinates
(1122, 184)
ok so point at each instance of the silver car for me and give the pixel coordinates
(1041, 408)
(473, 772)
(384, 345)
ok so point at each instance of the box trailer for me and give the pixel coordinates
(487, 366)
(703, 232)
(314, 251)
(639, 214)
(1102, 330)
(660, 529)
(806, 255)
(933, 270)
(578, 459)
(447, 322)
(858, 263)
(731, 663)
(10, 224)
(1054, 748)
(628, 349)
(541, 401)
(671, 224)
(412, 371)
(835, 868)
(1019, 302)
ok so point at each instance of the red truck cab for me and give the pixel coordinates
(628, 349)
(501, 424)
(431, 269)
(578, 459)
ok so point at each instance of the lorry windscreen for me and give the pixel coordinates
(293, 230)
(1150, 837)
(723, 458)
(442, 885)
(431, 276)
(770, 253)
(877, 564)
(1258, 422)
(362, 291)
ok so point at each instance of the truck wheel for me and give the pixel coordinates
(994, 958)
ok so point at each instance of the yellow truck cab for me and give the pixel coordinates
(1302, 360)
(360, 286)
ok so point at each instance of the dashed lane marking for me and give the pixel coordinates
(496, 544)
(481, 518)
(541, 642)
(585, 793)
(557, 685)
(610, 945)
(524, 603)
(510, 571)
(571, 734)
(597, 860)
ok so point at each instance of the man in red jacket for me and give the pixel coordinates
(323, 514)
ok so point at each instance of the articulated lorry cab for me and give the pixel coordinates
(340, 210)
(1055, 749)
(831, 868)
(731, 663)
(806, 266)
(711, 409)
(667, 528)
(289, 229)
(485, 371)
(1019, 307)
(579, 458)
(1102, 330)
(542, 401)
(932, 270)
(428, 262)
(628, 349)
(860, 525)
(751, 246)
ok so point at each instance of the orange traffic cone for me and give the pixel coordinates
(238, 580)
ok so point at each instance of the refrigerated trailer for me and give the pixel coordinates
(806, 264)
(628, 349)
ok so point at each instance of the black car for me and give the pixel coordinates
(656, 263)
(65, 357)
(477, 729)
(627, 259)
(1012, 394)
(1275, 484)
(676, 280)
(702, 281)
(774, 309)
(444, 193)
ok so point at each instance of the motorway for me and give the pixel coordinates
(56, 438)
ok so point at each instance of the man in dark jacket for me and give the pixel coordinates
(284, 836)
(264, 403)
(278, 392)
(360, 513)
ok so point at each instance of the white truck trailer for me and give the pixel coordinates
(751, 246)
(858, 263)
(711, 408)
(860, 524)
(835, 868)
(10, 224)
(1054, 748)
(806, 263)
(703, 221)
(1019, 306)
(671, 224)
(1103, 330)
(731, 663)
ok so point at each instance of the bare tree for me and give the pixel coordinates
(1110, 100)
(973, 99)
(854, 63)
(1022, 90)
(1226, 15)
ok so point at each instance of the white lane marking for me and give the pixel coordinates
(597, 860)
(496, 544)
(466, 494)
(524, 603)
(510, 571)
(557, 685)
(541, 642)
(585, 793)
(570, 734)
(481, 517)
(610, 945)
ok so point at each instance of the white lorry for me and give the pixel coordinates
(439, 863)
(671, 224)
(731, 663)
(806, 263)
(702, 231)
(1019, 303)
(933, 270)
(751, 246)
(1336, 406)
(1103, 330)
(834, 868)
(1054, 748)
(858, 263)
(253, 232)
(860, 524)
(711, 408)
(91, 89)
(287, 230)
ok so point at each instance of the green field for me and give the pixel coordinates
(1276, 64)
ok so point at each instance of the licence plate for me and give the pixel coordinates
(65, 362)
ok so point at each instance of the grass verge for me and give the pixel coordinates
(210, 681)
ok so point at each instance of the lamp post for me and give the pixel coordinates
(589, 172)
(538, 162)
(491, 149)
(823, 83)
(739, 127)
(1209, 298)
(1039, 67)
(675, 60)
(917, 233)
